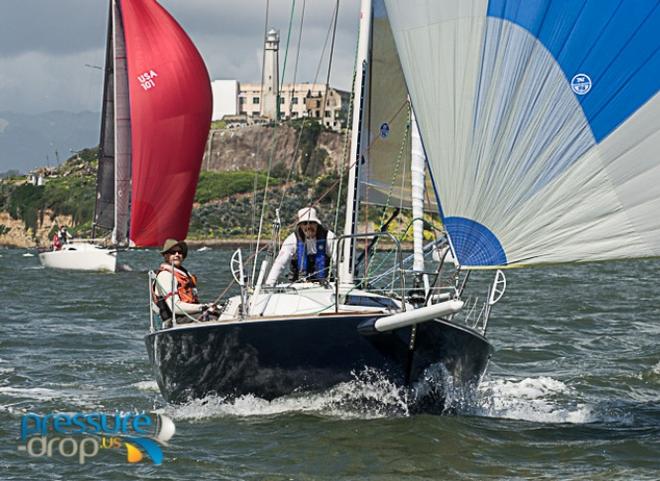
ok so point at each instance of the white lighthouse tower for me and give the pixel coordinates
(271, 80)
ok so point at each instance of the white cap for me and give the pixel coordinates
(308, 214)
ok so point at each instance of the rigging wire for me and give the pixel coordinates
(332, 50)
(286, 55)
(272, 152)
(256, 157)
(304, 120)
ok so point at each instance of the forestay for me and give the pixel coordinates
(541, 124)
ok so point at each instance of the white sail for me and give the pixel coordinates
(347, 256)
(541, 123)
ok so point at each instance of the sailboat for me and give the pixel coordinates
(80, 255)
(156, 117)
(308, 336)
(539, 124)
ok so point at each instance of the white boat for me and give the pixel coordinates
(81, 256)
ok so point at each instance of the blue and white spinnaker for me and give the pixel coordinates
(541, 124)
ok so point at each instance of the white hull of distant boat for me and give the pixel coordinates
(80, 256)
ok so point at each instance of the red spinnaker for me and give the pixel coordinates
(171, 106)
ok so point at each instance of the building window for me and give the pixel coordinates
(294, 100)
(255, 100)
(318, 103)
(241, 100)
(328, 113)
(281, 100)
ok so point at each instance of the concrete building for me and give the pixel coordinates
(258, 102)
(296, 101)
(225, 98)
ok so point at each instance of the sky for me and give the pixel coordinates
(51, 51)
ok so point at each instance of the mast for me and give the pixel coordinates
(347, 257)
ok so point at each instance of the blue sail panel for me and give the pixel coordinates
(613, 43)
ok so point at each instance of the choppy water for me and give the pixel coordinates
(573, 391)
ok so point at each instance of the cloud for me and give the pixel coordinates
(45, 44)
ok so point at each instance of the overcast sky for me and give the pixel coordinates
(45, 45)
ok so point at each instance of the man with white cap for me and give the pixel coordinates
(308, 249)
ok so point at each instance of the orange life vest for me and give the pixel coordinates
(186, 284)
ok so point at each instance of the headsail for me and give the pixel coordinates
(160, 113)
(386, 180)
(541, 122)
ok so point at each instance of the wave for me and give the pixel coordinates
(146, 385)
(542, 399)
(368, 396)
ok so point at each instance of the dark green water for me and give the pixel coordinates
(573, 391)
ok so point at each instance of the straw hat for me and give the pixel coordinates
(171, 243)
(308, 214)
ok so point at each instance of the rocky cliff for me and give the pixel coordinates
(315, 152)
(68, 197)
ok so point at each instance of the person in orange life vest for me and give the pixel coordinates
(308, 250)
(172, 273)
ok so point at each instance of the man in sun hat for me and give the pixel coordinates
(174, 281)
(308, 250)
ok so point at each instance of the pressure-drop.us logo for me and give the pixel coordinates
(81, 436)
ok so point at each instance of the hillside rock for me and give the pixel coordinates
(252, 147)
(14, 233)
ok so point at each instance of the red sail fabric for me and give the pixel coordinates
(171, 106)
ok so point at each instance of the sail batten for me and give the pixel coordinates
(540, 122)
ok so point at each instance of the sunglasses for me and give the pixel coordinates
(174, 251)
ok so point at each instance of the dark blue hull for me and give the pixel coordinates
(272, 358)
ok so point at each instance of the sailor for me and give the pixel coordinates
(172, 274)
(56, 244)
(308, 250)
(64, 235)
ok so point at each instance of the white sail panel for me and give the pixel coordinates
(540, 132)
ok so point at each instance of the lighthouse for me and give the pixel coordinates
(271, 80)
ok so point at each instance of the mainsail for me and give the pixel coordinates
(165, 93)
(541, 123)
